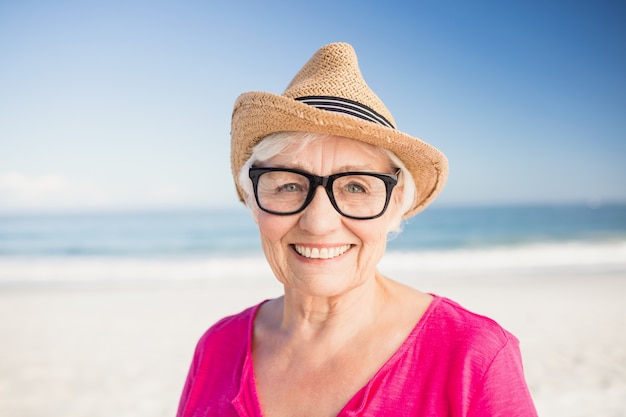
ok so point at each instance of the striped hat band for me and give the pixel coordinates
(343, 105)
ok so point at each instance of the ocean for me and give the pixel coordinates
(184, 241)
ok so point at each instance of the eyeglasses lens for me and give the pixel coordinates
(358, 196)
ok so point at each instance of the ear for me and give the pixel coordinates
(254, 209)
(395, 207)
(397, 197)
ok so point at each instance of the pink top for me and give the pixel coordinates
(454, 363)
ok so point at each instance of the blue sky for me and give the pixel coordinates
(126, 104)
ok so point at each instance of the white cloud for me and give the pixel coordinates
(51, 191)
(19, 191)
(168, 193)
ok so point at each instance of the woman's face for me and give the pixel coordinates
(318, 251)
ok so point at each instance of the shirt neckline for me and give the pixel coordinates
(248, 394)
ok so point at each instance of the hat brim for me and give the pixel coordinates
(258, 114)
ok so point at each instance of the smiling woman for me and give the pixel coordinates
(323, 223)
(327, 176)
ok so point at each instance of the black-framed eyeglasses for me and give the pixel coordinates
(356, 195)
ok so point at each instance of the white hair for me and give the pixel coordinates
(276, 143)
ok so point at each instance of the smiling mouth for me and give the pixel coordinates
(321, 253)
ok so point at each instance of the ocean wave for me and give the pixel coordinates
(534, 255)
(253, 269)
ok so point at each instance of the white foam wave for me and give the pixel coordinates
(541, 255)
(252, 270)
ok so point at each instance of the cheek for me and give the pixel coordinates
(269, 228)
(374, 240)
(374, 236)
(273, 229)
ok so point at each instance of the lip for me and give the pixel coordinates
(321, 252)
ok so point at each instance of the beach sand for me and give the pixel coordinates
(122, 348)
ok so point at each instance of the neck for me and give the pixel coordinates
(313, 316)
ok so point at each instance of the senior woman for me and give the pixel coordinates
(327, 177)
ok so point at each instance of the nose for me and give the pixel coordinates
(320, 216)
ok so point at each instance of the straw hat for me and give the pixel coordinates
(330, 96)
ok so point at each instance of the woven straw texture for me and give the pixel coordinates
(333, 71)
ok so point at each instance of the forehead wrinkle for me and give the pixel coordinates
(325, 153)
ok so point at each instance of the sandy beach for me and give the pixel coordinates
(122, 347)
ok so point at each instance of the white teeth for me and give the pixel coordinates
(323, 253)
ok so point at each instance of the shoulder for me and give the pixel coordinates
(486, 358)
(455, 338)
(213, 378)
(474, 356)
(228, 333)
(236, 322)
(457, 324)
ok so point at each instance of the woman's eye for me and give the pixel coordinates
(355, 188)
(290, 188)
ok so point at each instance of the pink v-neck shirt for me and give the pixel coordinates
(453, 363)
